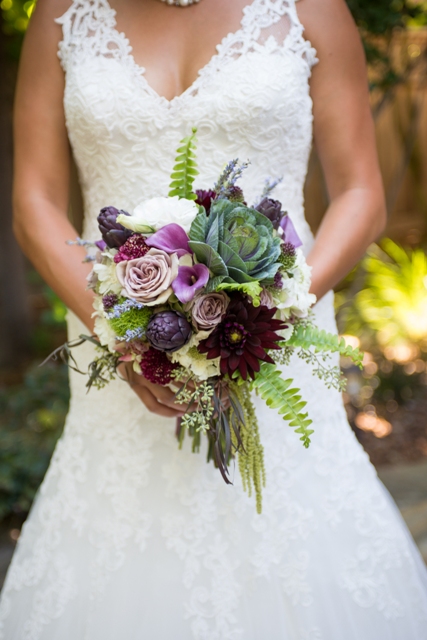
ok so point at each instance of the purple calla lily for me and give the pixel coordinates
(171, 238)
(101, 245)
(289, 233)
(189, 281)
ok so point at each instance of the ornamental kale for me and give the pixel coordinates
(236, 243)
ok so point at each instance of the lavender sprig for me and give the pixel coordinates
(119, 309)
(231, 173)
(269, 185)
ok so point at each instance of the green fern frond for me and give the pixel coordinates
(306, 336)
(277, 394)
(185, 169)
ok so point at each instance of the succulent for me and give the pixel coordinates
(236, 243)
(168, 331)
(272, 209)
(113, 233)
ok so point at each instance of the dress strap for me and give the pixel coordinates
(88, 26)
(268, 21)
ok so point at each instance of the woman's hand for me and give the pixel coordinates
(156, 398)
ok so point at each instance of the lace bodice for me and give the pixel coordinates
(251, 100)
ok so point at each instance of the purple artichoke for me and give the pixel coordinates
(168, 331)
(113, 233)
(204, 198)
(271, 209)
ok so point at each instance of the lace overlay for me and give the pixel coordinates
(130, 537)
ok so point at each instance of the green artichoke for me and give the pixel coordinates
(238, 244)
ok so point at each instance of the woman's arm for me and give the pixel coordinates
(41, 183)
(345, 142)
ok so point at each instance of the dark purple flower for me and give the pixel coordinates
(134, 247)
(235, 194)
(189, 281)
(289, 233)
(113, 233)
(170, 238)
(271, 209)
(204, 198)
(242, 339)
(109, 301)
(156, 367)
(168, 331)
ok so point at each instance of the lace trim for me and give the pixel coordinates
(89, 27)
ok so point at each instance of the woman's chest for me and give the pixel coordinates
(111, 101)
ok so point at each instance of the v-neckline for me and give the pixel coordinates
(141, 71)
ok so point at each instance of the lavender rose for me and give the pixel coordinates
(148, 279)
(208, 310)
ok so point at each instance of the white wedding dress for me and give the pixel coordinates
(131, 538)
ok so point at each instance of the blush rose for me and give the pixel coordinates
(148, 279)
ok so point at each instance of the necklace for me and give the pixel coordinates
(180, 3)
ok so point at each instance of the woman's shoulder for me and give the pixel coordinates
(328, 24)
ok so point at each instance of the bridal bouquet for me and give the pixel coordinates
(209, 295)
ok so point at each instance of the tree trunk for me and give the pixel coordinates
(14, 307)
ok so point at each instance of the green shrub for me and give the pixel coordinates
(31, 421)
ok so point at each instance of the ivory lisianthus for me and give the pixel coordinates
(151, 215)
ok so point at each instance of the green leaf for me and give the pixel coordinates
(208, 256)
(252, 289)
(309, 336)
(277, 394)
(199, 227)
(213, 284)
(185, 169)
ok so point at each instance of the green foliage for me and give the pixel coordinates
(185, 169)
(250, 452)
(252, 289)
(278, 394)
(31, 421)
(131, 320)
(381, 16)
(307, 336)
(392, 304)
(16, 15)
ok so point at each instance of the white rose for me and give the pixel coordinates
(152, 215)
(106, 274)
(294, 298)
(102, 327)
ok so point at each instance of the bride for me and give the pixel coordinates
(128, 537)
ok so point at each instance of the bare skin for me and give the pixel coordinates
(173, 44)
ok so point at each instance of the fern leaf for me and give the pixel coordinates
(185, 169)
(278, 394)
(307, 336)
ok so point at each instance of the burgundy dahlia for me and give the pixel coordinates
(134, 247)
(204, 198)
(156, 367)
(242, 338)
(113, 233)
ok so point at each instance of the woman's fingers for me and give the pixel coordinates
(153, 405)
(156, 398)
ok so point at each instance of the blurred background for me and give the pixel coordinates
(381, 306)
